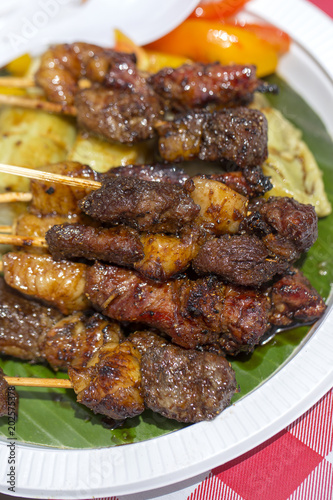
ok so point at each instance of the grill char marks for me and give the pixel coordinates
(238, 135)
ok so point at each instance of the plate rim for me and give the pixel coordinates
(104, 472)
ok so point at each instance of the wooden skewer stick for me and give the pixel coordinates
(25, 102)
(49, 177)
(17, 82)
(39, 382)
(6, 229)
(22, 241)
(14, 197)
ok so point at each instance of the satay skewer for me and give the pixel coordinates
(14, 197)
(17, 82)
(22, 241)
(39, 382)
(31, 173)
(26, 102)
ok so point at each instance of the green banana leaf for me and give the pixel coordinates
(51, 417)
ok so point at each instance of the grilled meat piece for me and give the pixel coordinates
(118, 115)
(240, 259)
(288, 228)
(111, 382)
(238, 135)
(157, 172)
(22, 323)
(58, 199)
(186, 385)
(8, 400)
(73, 340)
(198, 85)
(63, 65)
(58, 284)
(221, 208)
(192, 313)
(294, 300)
(146, 206)
(251, 182)
(147, 340)
(119, 245)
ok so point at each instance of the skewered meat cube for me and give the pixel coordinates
(157, 172)
(63, 65)
(240, 259)
(221, 208)
(238, 135)
(73, 340)
(53, 198)
(288, 228)
(124, 116)
(59, 284)
(186, 385)
(119, 245)
(143, 205)
(111, 382)
(156, 256)
(8, 401)
(295, 300)
(192, 313)
(22, 322)
(198, 85)
(250, 182)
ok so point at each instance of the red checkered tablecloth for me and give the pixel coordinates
(296, 464)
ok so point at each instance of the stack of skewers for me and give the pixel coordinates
(144, 278)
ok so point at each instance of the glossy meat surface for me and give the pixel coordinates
(192, 313)
(118, 115)
(186, 385)
(197, 85)
(119, 245)
(288, 228)
(240, 259)
(294, 300)
(58, 284)
(111, 382)
(238, 135)
(22, 323)
(143, 205)
(73, 340)
(63, 65)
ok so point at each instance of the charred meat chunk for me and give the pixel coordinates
(63, 65)
(75, 339)
(111, 382)
(240, 259)
(288, 228)
(238, 135)
(119, 245)
(118, 115)
(22, 323)
(191, 312)
(186, 385)
(246, 187)
(147, 340)
(143, 205)
(197, 85)
(294, 300)
(157, 172)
